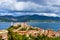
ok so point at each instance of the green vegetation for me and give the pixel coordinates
(43, 21)
(33, 28)
(3, 20)
(23, 29)
(0, 38)
(8, 20)
(14, 27)
(16, 36)
(44, 38)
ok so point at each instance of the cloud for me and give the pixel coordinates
(14, 5)
(2, 14)
(53, 2)
(26, 6)
(23, 6)
(50, 14)
(50, 7)
(20, 14)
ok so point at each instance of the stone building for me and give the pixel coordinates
(41, 31)
(49, 33)
(30, 32)
(57, 33)
(4, 34)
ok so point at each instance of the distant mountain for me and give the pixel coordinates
(26, 18)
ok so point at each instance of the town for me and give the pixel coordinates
(35, 30)
(24, 29)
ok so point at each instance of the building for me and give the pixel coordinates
(15, 24)
(29, 32)
(33, 33)
(57, 33)
(22, 32)
(24, 25)
(41, 31)
(49, 33)
(4, 34)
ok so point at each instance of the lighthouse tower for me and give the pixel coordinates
(12, 23)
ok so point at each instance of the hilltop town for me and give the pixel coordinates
(24, 29)
(21, 29)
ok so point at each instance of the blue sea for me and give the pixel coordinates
(44, 25)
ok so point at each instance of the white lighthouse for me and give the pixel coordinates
(12, 23)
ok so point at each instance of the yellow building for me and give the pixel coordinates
(4, 34)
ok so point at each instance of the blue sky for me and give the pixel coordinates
(40, 7)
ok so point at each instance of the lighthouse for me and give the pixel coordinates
(12, 23)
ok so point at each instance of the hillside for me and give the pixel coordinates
(26, 18)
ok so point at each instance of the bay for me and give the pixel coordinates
(44, 25)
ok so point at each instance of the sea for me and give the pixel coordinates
(44, 25)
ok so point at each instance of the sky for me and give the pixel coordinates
(30, 7)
